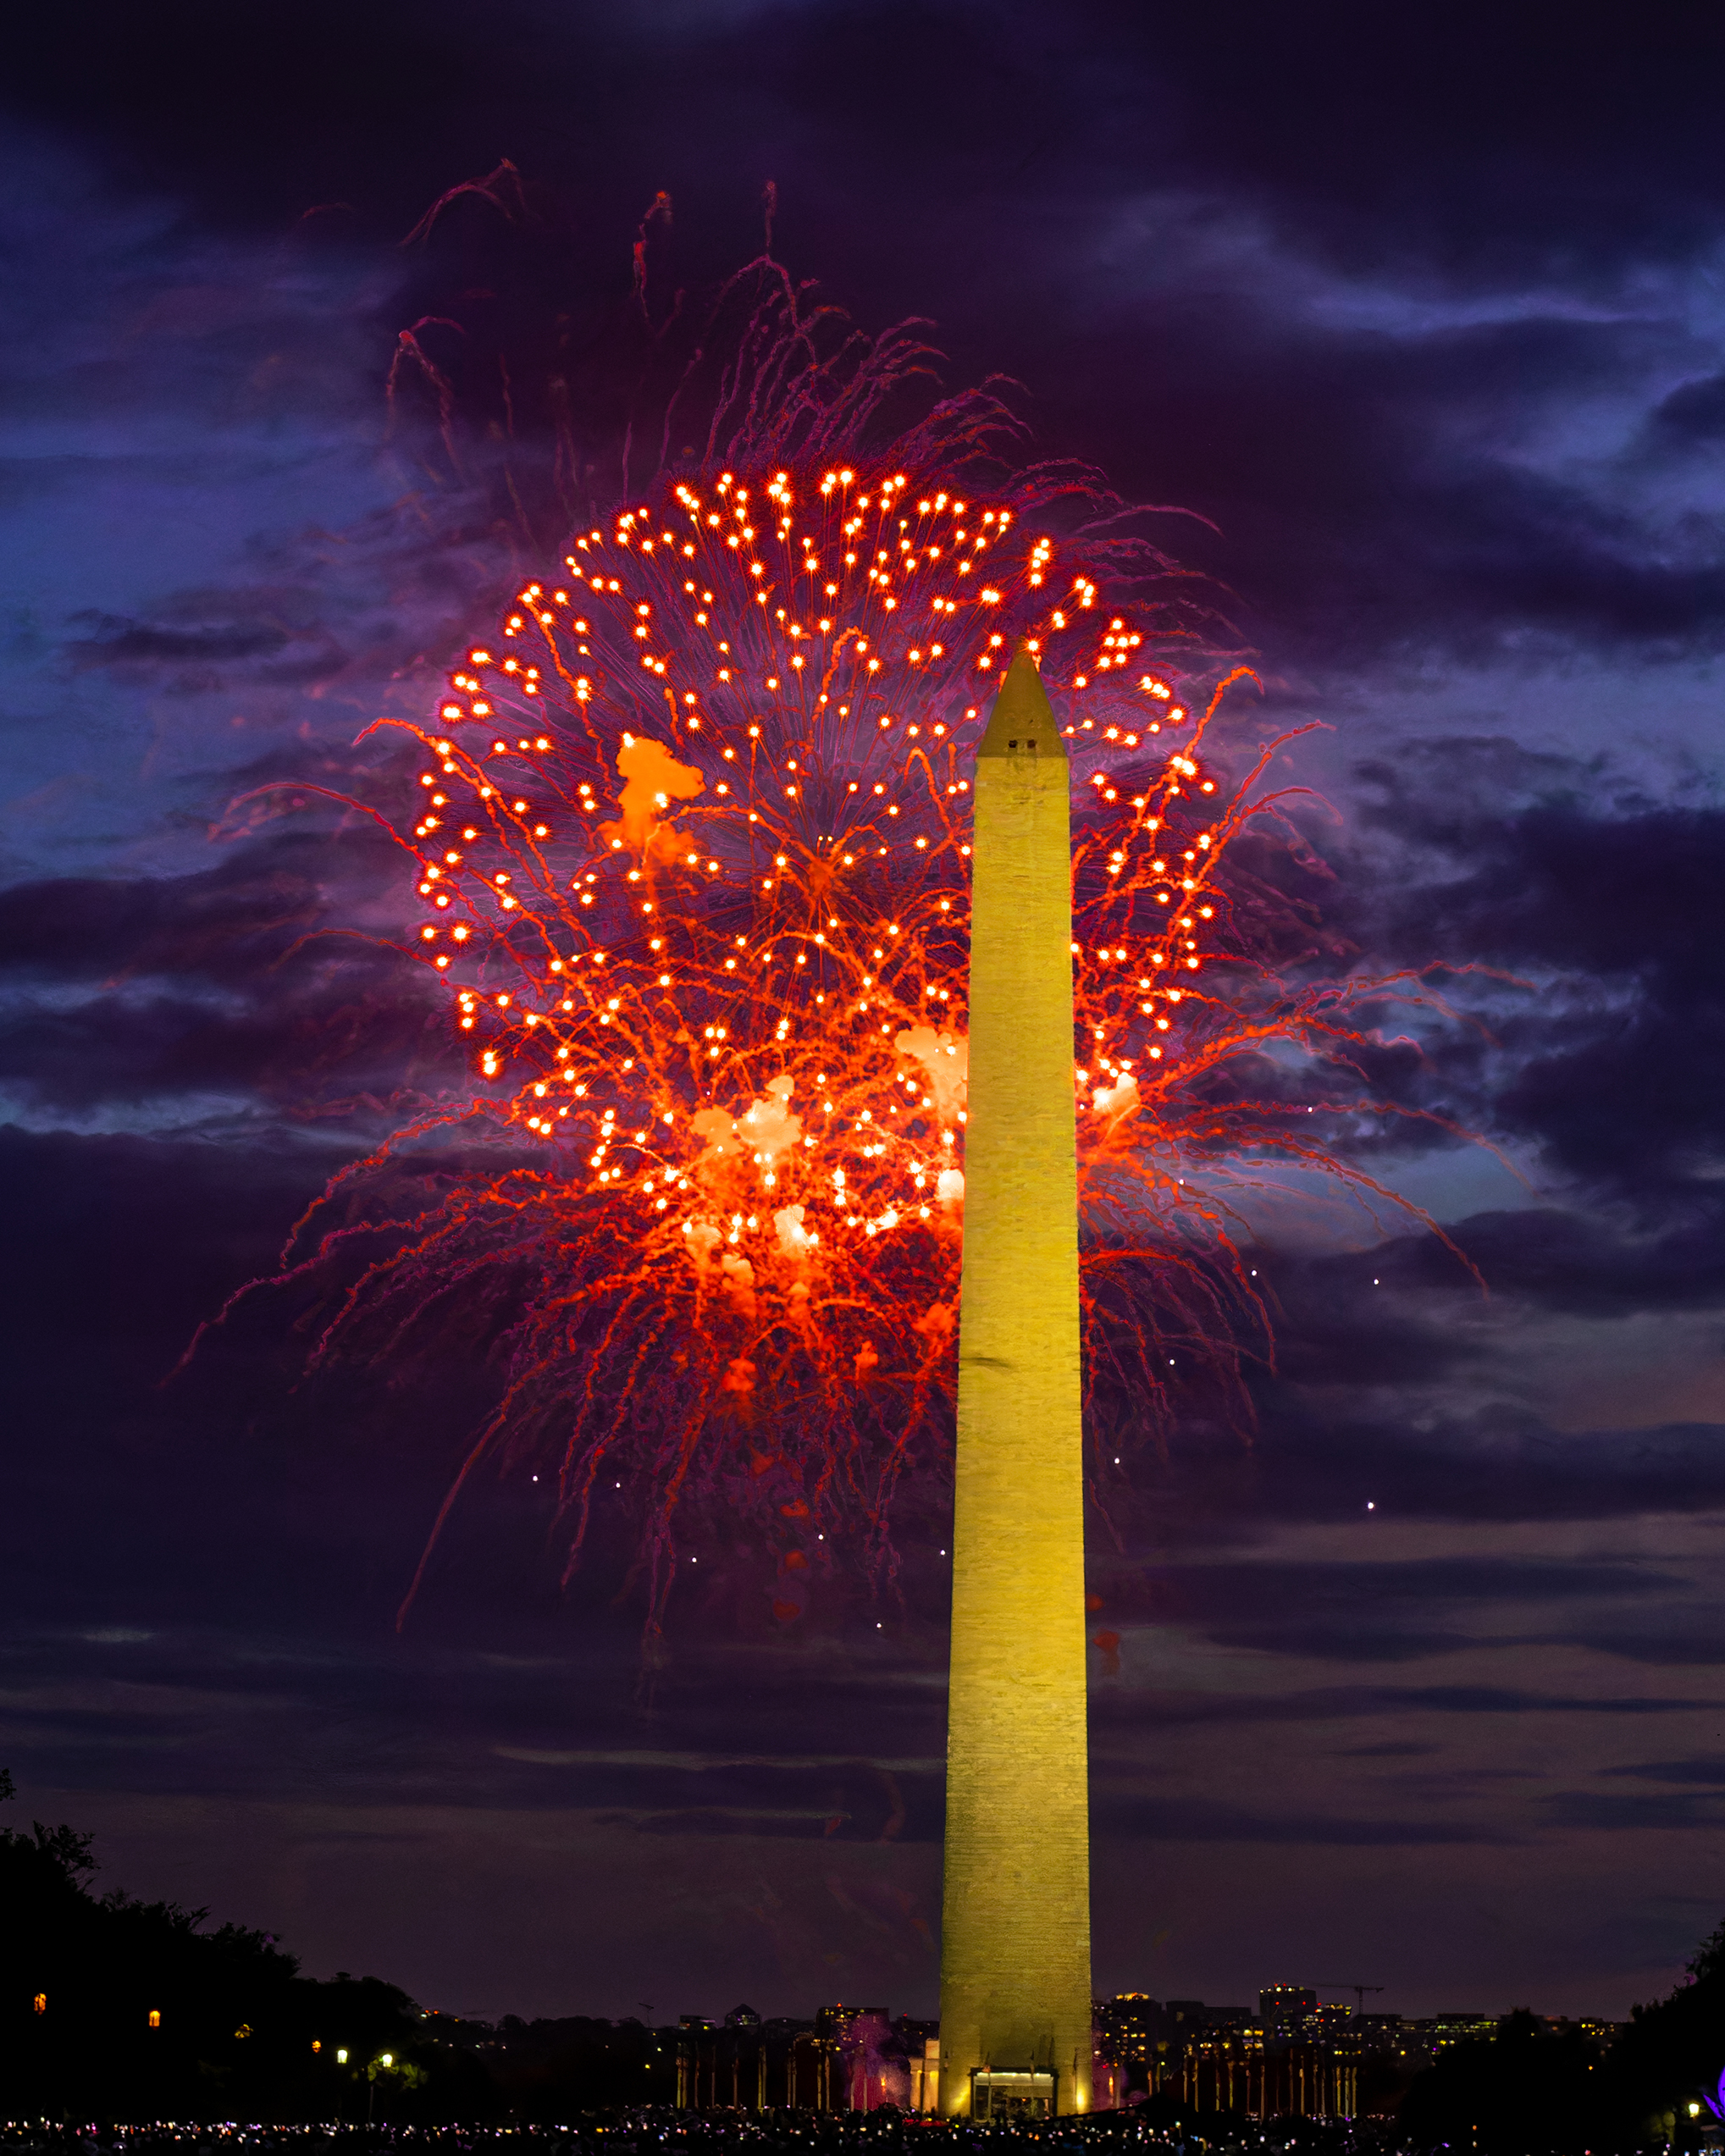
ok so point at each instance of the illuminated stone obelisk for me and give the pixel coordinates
(1015, 1904)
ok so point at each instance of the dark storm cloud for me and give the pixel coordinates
(1550, 882)
(1356, 455)
(119, 1246)
(232, 982)
(1710, 1772)
(1598, 1068)
(1702, 1646)
(1562, 1260)
(1399, 1386)
(184, 1711)
(1369, 1703)
(155, 1049)
(121, 643)
(227, 926)
(1364, 1612)
(1590, 149)
(1396, 1316)
(178, 1712)
(1500, 1463)
(1694, 413)
(1432, 541)
(1141, 1819)
(1617, 1813)
(1416, 308)
(1245, 1592)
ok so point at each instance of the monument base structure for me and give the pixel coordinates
(1015, 2006)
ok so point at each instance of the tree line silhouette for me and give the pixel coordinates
(116, 2008)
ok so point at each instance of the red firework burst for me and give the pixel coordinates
(692, 863)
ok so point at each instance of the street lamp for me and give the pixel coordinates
(385, 2059)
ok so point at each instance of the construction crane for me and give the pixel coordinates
(1359, 1992)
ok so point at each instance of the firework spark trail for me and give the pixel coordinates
(692, 857)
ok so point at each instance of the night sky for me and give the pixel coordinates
(1424, 310)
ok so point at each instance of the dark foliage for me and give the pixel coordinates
(119, 2009)
(548, 2069)
(1672, 2054)
(1524, 2088)
(1529, 2088)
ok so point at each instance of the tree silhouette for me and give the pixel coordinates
(115, 2007)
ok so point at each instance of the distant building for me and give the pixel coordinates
(834, 2020)
(1190, 2018)
(1287, 2010)
(757, 2066)
(921, 2044)
(1134, 2027)
(1266, 2081)
(1288, 2056)
(1369, 2036)
(876, 2069)
(1461, 2028)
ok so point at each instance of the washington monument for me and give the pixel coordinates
(1014, 2008)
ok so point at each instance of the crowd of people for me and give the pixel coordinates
(656, 2131)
